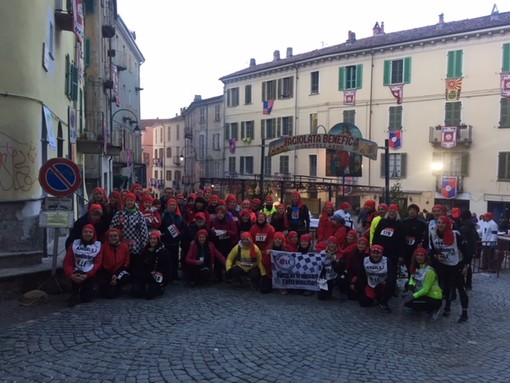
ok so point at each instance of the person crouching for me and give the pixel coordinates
(245, 262)
(201, 259)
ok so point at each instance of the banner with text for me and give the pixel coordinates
(295, 270)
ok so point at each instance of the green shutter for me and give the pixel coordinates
(506, 58)
(387, 72)
(450, 65)
(504, 113)
(458, 64)
(383, 165)
(407, 70)
(89, 6)
(359, 76)
(74, 83)
(68, 76)
(454, 64)
(403, 165)
(464, 164)
(341, 78)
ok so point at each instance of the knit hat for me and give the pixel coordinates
(421, 250)
(130, 195)
(292, 234)
(306, 237)
(363, 239)
(333, 239)
(269, 198)
(202, 232)
(345, 206)
(354, 233)
(200, 215)
(489, 215)
(147, 198)
(393, 206)
(244, 212)
(246, 235)
(279, 235)
(230, 198)
(256, 201)
(383, 206)
(90, 227)
(448, 236)
(155, 233)
(370, 204)
(95, 206)
(221, 208)
(377, 247)
(440, 207)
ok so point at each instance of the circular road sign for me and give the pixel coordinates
(60, 177)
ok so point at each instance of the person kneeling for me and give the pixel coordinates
(245, 262)
(424, 293)
(201, 258)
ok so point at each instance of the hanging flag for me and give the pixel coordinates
(232, 145)
(505, 85)
(267, 106)
(453, 87)
(78, 20)
(448, 136)
(115, 78)
(449, 187)
(349, 97)
(398, 92)
(395, 140)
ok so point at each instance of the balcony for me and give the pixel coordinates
(113, 150)
(64, 15)
(176, 160)
(86, 146)
(463, 137)
(157, 162)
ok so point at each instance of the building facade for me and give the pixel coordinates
(437, 93)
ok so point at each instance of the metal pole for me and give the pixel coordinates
(386, 171)
(262, 165)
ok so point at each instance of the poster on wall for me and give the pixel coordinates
(342, 163)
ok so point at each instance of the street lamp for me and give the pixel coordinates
(184, 155)
(136, 128)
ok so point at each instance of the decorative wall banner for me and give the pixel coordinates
(395, 140)
(398, 92)
(349, 97)
(453, 86)
(448, 136)
(449, 187)
(267, 107)
(505, 85)
(295, 270)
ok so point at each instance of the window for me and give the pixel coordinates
(314, 83)
(248, 129)
(51, 42)
(395, 118)
(285, 88)
(314, 122)
(397, 71)
(247, 95)
(155, 135)
(268, 128)
(451, 163)
(246, 165)
(71, 80)
(168, 175)
(397, 165)
(161, 135)
(169, 153)
(349, 116)
(168, 134)
(177, 175)
(217, 109)
(452, 113)
(155, 153)
(312, 165)
(268, 165)
(233, 97)
(284, 164)
(232, 164)
(504, 166)
(232, 130)
(161, 153)
(89, 7)
(216, 141)
(202, 115)
(201, 146)
(350, 77)
(155, 174)
(284, 126)
(269, 90)
(454, 64)
(178, 132)
(504, 113)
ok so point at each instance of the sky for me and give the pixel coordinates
(189, 44)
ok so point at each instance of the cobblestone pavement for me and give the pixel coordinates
(220, 334)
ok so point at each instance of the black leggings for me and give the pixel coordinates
(424, 304)
(451, 278)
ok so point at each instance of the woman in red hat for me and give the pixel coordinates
(224, 236)
(172, 227)
(326, 228)
(244, 262)
(298, 215)
(279, 219)
(201, 259)
(95, 217)
(355, 267)
(262, 232)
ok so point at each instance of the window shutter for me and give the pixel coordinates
(383, 163)
(226, 132)
(341, 78)
(458, 63)
(359, 76)
(262, 129)
(403, 165)
(451, 61)
(87, 53)
(387, 72)
(407, 70)
(89, 6)
(501, 165)
(264, 86)
(506, 58)
(504, 113)
(279, 127)
(68, 76)
(74, 83)
(464, 164)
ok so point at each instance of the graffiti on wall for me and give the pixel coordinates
(17, 162)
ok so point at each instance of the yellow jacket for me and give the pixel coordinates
(244, 260)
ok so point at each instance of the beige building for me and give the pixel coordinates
(438, 94)
(41, 84)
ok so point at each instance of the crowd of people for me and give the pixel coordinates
(130, 241)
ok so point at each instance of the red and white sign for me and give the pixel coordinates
(448, 136)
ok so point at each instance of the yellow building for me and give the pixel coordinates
(41, 84)
(438, 94)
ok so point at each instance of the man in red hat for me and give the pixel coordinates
(95, 217)
(489, 236)
(389, 233)
(268, 209)
(344, 212)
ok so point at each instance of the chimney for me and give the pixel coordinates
(289, 52)
(382, 26)
(252, 62)
(351, 37)
(197, 97)
(495, 13)
(441, 18)
(276, 55)
(376, 29)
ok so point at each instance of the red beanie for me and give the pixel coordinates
(246, 234)
(203, 232)
(306, 237)
(345, 206)
(155, 233)
(333, 239)
(130, 195)
(421, 250)
(370, 203)
(279, 235)
(269, 198)
(393, 206)
(95, 206)
(378, 247)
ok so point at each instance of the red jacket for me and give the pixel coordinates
(192, 258)
(262, 236)
(115, 258)
(326, 228)
(153, 218)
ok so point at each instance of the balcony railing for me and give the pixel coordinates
(463, 136)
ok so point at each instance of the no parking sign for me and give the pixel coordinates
(60, 177)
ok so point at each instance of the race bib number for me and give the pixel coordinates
(295, 215)
(173, 230)
(387, 232)
(410, 241)
(260, 237)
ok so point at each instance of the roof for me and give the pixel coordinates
(493, 21)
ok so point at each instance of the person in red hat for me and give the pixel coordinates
(292, 242)
(269, 209)
(489, 237)
(245, 223)
(82, 260)
(202, 259)
(224, 236)
(172, 227)
(389, 233)
(382, 209)
(152, 216)
(326, 227)
(415, 232)
(244, 262)
(277, 245)
(262, 232)
(115, 204)
(366, 215)
(279, 219)
(437, 211)
(344, 212)
(95, 217)
(188, 236)
(298, 215)
(355, 268)
(333, 270)
(256, 205)
(131, 223)
(149, 269)
(232, 208)
(378, 280)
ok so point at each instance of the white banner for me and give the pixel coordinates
(295, 270)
